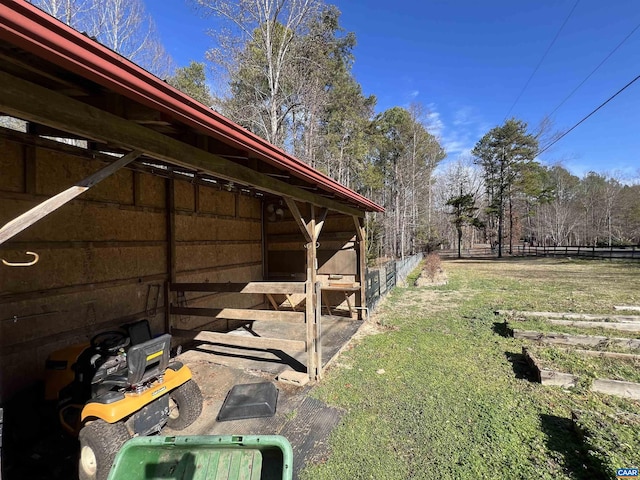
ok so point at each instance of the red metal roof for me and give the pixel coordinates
(29, 28)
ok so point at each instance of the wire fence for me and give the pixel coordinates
(379, 281)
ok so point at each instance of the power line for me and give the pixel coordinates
(594, 70)
(542, 59)
(592, 112)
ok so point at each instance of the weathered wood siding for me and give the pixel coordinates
(337, 252)
(105, 256)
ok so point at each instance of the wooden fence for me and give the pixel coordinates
(620, 253)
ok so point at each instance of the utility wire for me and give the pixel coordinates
(542, 59)
(594, 70)
(592, 112)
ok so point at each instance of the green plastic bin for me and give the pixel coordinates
(207, 457)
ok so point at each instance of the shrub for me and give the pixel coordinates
(432, 265)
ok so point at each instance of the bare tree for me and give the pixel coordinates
(257, 51)
(71, 12)
(122, 25)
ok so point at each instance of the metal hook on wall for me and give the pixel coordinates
(36, 257)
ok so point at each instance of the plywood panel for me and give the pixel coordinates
(195, 257)
(343, 262)
(78, 312)
(76, 266)
(339, 223)
(152, 191)
(249, 207)
(282, 227)
(232, 274)
(217, 201)
(184, 196)
(192, 228)
(11, 167)
(83, 221)
(56, 171)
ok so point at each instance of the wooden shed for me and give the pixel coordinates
(139, 202)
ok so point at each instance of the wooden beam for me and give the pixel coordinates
(32, 102)
(320, 221)
(50, 205)
(568, 339)
(629, 308)
(622, 326)
(549, 377)
(616, 387)
(571, 316)
(297, 216)
(242, 341)
(240, 314)
(359, 224)
(602, 354)
(251, 287)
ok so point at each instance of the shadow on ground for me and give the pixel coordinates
(33, 444)
(501, 329)
(561, 437)
(520, 366)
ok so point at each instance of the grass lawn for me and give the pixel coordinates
(440, 394)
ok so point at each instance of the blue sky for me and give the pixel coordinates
(466, 61)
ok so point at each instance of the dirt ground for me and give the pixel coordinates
(36, 448)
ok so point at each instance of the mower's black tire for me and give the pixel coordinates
(99, 444)
(185, 405)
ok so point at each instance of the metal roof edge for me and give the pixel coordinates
(37, 32)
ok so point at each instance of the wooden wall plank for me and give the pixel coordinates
(240, 314)
(252, 287)
(243, 341)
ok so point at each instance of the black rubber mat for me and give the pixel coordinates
(251, 400)
(309, 432)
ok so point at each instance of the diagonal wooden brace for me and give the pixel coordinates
(30, 217)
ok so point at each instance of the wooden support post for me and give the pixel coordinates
(312, 340)
(318, 328)
(361, 239)
(30, 217)
(171, 250)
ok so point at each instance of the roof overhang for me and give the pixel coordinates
(75, 63)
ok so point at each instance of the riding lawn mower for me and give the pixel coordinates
(122, 384)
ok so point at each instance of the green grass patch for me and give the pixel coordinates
(612, 437)
(440, 394)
